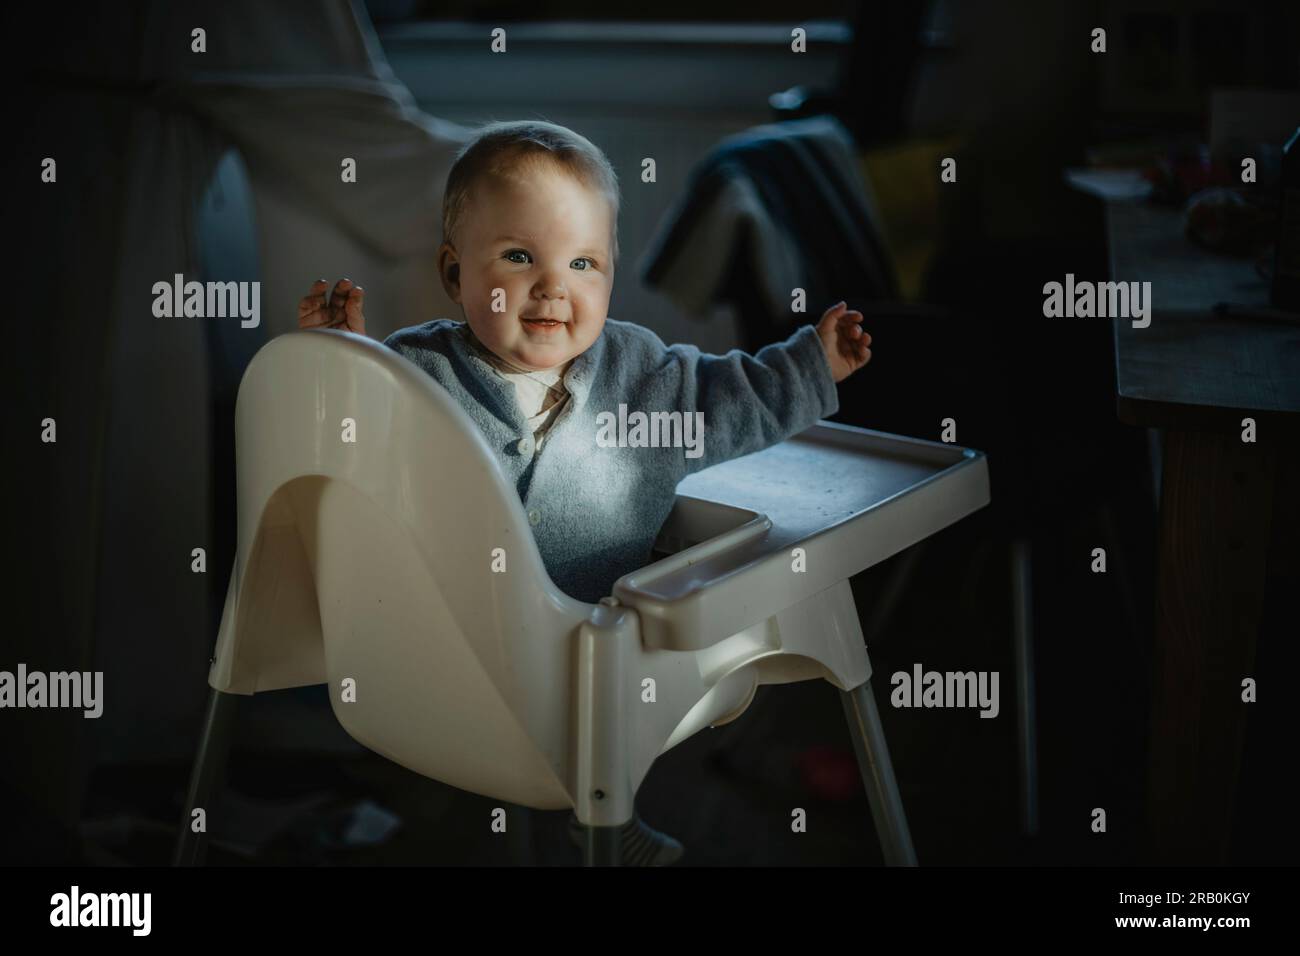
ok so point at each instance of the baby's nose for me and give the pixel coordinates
(550, 286)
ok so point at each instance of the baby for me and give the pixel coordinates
(530, 227)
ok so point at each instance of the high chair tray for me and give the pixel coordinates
(807, 513)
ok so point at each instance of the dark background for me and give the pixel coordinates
(1037, 395)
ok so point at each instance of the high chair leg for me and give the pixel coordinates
(878, 775)
(602, 846)
(209, 768)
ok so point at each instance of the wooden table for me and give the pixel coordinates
(1229, 528)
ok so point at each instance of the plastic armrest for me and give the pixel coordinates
(688, 619)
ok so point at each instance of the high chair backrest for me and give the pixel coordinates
(382, 551)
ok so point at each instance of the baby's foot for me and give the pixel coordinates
(640, 845)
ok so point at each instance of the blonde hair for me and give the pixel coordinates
(499, 148)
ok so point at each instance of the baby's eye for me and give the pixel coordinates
(516, 252)
(585, 259)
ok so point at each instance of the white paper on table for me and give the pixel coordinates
(1112, 185)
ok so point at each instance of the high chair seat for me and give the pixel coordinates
(382, 552)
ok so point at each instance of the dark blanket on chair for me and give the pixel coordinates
(793, 187)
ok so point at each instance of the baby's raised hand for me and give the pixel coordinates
(343, 311)
(844, 341)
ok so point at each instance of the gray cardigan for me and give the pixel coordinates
(596, 509)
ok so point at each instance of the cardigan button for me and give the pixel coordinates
(525, 445)
(534, 517)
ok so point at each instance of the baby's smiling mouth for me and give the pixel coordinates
(543, 322)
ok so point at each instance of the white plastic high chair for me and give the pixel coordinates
(370, 562)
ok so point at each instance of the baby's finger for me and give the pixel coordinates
(860, 336)
(310, 303)
(317, 291)
(830, 320)
(338, 297)
(341, 288)
(852, 320)
(313, 319)
(354, 303)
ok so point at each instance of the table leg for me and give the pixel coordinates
(1215, 523)
(1026, 711)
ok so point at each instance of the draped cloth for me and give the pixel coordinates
(140, 125)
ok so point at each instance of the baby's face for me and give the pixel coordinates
(543, 238)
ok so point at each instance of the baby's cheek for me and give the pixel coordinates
(487, 304)
(476, 289)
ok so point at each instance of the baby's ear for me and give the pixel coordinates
(449, 271)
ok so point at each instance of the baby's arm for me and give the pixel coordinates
(750, 402)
